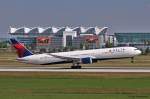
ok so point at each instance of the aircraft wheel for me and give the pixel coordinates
(79, 67)
(75, 67)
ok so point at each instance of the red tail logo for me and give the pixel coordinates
(21, 50)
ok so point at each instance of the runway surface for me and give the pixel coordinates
(84, 69)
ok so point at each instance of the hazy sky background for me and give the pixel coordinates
(118, 15)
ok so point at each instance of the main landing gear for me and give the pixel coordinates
(76, 65)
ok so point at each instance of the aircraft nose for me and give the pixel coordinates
(138, 52)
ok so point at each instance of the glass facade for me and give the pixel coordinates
(69, 40)
(133, 38)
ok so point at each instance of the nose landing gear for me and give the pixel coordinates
(132, 59)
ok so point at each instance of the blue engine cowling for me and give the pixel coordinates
(87, 60)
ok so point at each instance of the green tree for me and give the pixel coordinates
(3, 44)
(109, 45)
(147, 51)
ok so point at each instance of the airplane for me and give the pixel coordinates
(74, 57)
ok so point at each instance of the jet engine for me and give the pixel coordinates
(87, 60)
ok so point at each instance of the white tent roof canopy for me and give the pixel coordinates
(19, 30)
(91, 30)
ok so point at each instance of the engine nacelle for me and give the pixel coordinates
(87, 60)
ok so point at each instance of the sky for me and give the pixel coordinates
(118, 15)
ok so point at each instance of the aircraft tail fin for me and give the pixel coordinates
(22, 51)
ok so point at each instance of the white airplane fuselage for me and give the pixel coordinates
(98, 54)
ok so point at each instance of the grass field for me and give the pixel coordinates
(74, 85)
(9, 59)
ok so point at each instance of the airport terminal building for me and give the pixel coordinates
(54, 38)
(140, 40)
